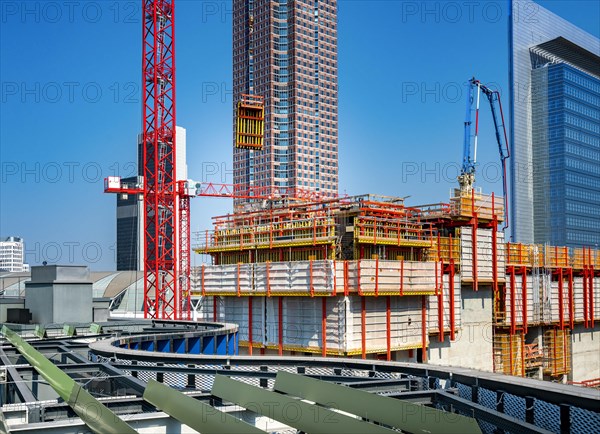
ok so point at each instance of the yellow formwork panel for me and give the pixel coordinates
(444, 249)
(407, 293)
(250, 123)
(557, 352)
(275, 244)
(393, 242)
(509, 353)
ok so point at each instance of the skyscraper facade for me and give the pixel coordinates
(286, 51)
(555, 129)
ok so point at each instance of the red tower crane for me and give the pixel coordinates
(161, 195)
(166, 200)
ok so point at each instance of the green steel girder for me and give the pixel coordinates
(195, 414)
(406, 416)
(96, 416)
(293, 412)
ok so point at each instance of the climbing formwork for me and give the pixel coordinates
(250, 122)
(509, 353)
(557, 352)
(368, 275)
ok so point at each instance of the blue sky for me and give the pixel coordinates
(70, 106)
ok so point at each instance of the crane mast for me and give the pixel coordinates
(466, 179)
(162, 268)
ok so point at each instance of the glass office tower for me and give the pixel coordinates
(555, 129)
(286, 51)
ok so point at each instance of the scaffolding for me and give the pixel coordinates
(557, 352)
(509, 353)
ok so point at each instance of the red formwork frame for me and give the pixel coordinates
(424, 328)
(512, 272)
(474, 224)
(363, 326)
(589, 273)
(388, 327)
(280, 324)
(161, 250)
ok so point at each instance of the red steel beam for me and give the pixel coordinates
(161, 264)
(513, 311)
(363, 326)
(474, 244)
(311, 286)
(280, 332)
(440, 297)
(451, 295)
(585, 290)
(424, 328)
(523, 272)
(250, 325)
(388, 327)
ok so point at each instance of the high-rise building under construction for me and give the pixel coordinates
(286, 52)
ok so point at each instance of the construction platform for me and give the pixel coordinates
(372, 277)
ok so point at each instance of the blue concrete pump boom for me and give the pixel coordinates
(466, 178)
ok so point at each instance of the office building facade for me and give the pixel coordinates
(286, 51)
(555, 129)
(12, 255)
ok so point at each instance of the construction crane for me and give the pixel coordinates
(466, 179)
(166, 200)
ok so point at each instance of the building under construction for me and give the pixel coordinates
(369, 276)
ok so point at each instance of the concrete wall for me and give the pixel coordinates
(586, 353)
(473, 347)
